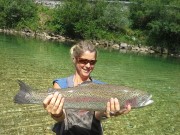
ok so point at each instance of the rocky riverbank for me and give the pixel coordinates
(48, 3)
(122, 47)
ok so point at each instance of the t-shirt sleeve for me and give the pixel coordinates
(98, 82)
(62, 82)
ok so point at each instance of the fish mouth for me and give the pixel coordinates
(148, 101)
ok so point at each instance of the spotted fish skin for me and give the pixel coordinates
(89, 96)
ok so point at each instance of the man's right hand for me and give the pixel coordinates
(54, 106)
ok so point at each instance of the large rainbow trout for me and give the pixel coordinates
(88, 96)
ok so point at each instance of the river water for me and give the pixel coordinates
(38, 62)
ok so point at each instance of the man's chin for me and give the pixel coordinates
(87, 74)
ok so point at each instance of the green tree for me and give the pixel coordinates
(160, 20)
(14, 13)
(84, 19)
(115, 17)
(77, 18)
(2, 13)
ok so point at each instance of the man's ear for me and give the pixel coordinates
(74, 60)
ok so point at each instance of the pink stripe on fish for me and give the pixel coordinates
(86, 99)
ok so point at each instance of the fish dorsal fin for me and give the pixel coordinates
(52, 90)
(86, 83)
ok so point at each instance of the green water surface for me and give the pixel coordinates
(38, 62)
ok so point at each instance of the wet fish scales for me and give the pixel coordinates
(88, 96)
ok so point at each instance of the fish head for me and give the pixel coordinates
(145, 100)
(140, 100)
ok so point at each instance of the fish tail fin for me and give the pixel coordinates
(24, 95)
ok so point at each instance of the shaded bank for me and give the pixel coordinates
(48, 3)
(115, 23)
(111, 45)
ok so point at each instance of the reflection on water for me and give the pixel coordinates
(39, 62)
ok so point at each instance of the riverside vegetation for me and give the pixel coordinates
(141, 22)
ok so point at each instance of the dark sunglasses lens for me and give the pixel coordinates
(85, 61)
(93, 62)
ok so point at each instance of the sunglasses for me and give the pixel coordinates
(86, 61)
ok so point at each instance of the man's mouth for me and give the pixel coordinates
(86, 70)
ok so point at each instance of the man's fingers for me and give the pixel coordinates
(53, 100)
(112, 105)
(56, 104)
(47, 100)
(125, 110)
(117, 105)
(128, 109)
(113, 108)
(108, 109)
(60, 107)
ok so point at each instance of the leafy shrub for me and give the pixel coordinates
(115, 17)
(83, 19)
(16, 12)
(159, 20)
